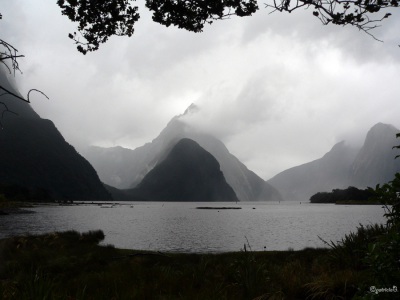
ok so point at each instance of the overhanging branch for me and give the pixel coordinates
(365, 15)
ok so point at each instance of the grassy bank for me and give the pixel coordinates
(71, 265)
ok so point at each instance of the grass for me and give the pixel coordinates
(72, 265)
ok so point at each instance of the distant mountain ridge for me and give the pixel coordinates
(343, 166)
(34, 155)
(124, 168)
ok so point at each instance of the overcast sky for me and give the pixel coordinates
(278, 89)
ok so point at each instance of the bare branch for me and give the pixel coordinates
(35, 91)
(363, 14)
(9, 58)
(8, 53)
(8, 92)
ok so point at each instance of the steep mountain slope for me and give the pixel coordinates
(330, 171)
(116, 167)
(188, 173)
(23, 109)
(375, 162)
(34, 155)
(343, 167)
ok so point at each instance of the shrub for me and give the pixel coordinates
(350, 251)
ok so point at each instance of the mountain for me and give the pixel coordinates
(34, 155)
(115, 166)
(330, 171)
(375, 162)
(187, 173)
(125, 168)
(343, 166)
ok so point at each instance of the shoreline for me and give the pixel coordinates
(14, 211)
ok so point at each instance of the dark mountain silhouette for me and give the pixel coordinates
(125, 168)
(34, 155)
(343, 166)
(187, 173)
(14, 105)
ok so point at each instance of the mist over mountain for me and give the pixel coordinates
(34, 155)
(375, 161)
(15, 106)
(343, 166)
(187, 173)
(124, 168)
(323, 174)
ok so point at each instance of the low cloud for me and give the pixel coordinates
(279, 89)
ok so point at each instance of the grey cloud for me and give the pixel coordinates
(278, 89)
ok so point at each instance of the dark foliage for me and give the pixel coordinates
(99, 20)
(374, 248)
(192, 15)
(389, 195)
(383, 256)
(350, 251)
(363, 14)
(397, 147)
(351, 193)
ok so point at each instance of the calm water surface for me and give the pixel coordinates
(181, 227)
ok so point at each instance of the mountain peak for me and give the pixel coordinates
(193, 108)
(188, 173)
(380, 129)
(344, 166)
(381, 136)
(375, 162)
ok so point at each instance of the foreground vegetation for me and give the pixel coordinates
(70, 265)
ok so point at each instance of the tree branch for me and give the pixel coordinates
(359, 13)
(8, 54)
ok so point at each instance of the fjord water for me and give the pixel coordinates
(180, 227)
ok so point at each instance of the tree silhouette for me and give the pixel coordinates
(98, 20)
(398, 146)
(362, 14)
